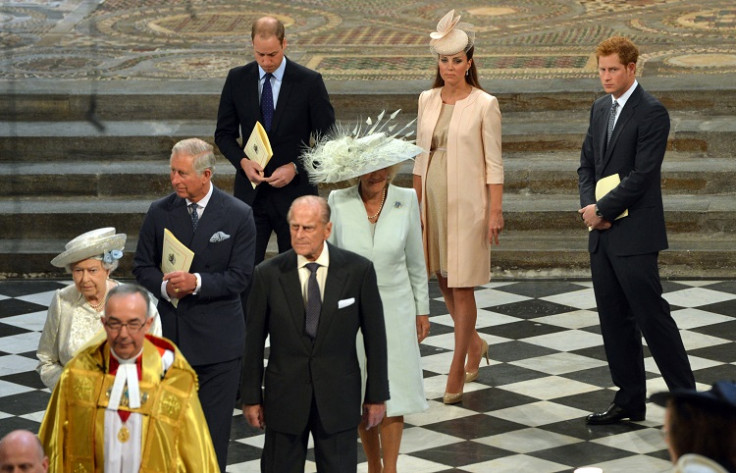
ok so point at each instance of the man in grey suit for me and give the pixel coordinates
(313, 381)
(627, 137)
(207, 321)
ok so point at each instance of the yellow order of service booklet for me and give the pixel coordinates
(258, 147)
(606, 185)
(175, 257)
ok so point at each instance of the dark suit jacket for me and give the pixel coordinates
(303, 108)
(207, 327)
(635, 152)
(327, 369)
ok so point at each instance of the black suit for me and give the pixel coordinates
(624, 258)
(303, 109)
(313, 386)
(207, 327)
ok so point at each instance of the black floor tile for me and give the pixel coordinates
(11, 307)
(539, 289)
(530, 309)
(26, 287)
(513, 351)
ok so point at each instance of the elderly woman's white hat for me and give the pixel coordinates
(449, 38)
(101, 242)
(347, 154)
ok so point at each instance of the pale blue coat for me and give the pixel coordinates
(398, 257)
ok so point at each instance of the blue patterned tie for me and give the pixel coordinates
(194, 215)
(267, 102)
(612, 120)
(314, 301)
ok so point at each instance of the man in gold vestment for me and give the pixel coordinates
(127, 403)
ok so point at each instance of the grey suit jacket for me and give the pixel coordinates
(327, 369)
(635, 153)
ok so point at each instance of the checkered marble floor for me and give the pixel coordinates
(523, 414)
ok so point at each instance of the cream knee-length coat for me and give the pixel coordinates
(473, 162)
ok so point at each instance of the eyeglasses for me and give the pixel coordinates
(132, 326)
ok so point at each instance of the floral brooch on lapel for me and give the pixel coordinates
(217, 237)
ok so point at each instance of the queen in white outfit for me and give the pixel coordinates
(381, 222)
(75, 313)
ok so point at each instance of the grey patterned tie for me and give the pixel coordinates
(195, 216)
(611, 120)
(314, 300)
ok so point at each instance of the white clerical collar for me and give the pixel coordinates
(127, 374)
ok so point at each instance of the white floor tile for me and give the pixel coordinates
(527, 440)
(516, 464)
(582, 299)
(550, 387)
(559, 363)
(637, 441)
(539, 413)
(568, 340)
(573, 320)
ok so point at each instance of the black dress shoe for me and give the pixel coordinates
(614, 414)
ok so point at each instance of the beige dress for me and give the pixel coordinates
(473, 162)
(437, 195)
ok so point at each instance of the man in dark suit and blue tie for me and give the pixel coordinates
(311, 301)
(201, 309)
(292, 104)
(627, 137)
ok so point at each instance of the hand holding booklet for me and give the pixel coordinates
(606, 185)
(175, 257)
(258, 147)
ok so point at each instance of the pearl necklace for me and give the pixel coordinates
(383, 199)
(100, 305)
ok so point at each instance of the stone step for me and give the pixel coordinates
(532, 254)
(545, 255)
(526, 173)
(65, 217)
(153, 139)
(188, 101)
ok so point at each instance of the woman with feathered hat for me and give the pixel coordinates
(380, 221)
(460, 186)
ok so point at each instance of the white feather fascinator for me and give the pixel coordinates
(345, 154)
(449, 38)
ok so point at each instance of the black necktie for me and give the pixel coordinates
(267, 102)
(611, 120)
(195, 216)
(314, 300)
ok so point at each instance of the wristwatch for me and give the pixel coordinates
(296, 168)
(598, 212)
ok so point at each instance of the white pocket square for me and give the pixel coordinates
(345, 302)
(217, 237)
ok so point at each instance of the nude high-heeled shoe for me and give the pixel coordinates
(452, 398)
(471, 376)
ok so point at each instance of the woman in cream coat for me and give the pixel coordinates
(381, 222)
(460, 186)
(75, 312)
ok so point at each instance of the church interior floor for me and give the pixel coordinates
(525, 411)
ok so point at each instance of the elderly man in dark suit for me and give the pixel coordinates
(291, 102)
(311, 301)
(200, 308)
(627, 137)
